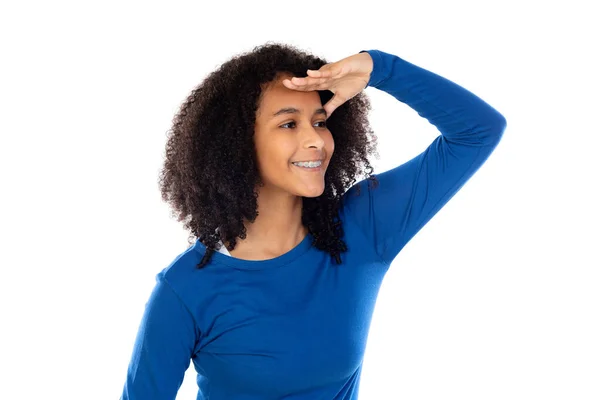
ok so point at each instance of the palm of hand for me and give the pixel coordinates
(344, 78)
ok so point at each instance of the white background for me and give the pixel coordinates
(496, 298)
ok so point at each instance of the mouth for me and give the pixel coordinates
(309, 165)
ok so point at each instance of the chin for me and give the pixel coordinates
(311, 193)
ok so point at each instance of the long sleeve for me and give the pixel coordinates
(163, 347)
(409, 195)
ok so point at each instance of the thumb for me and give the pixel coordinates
(336, 101)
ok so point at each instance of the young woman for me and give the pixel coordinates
(263, 158)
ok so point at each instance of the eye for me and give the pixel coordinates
(285, 125)
(324, 124)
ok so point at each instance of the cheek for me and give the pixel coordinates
(276, 154)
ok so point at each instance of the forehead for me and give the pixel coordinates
(276, 95)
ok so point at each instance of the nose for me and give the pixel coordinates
(311, 137)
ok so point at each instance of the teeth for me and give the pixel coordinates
(309, 164)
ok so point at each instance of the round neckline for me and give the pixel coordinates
(239, 263)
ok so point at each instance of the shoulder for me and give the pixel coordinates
(181, 274)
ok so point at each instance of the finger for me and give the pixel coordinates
(287, 83)
(306, 84)
(291, 85)
(308, 81)
(326, 71)
(336, 101)
(322, 73)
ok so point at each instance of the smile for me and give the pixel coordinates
(308, 164)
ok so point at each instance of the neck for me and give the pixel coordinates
(276, 230)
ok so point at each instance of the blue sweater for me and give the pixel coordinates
(295, 327)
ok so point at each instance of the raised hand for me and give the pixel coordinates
(344, 78)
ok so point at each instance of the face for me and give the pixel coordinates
(291, 127)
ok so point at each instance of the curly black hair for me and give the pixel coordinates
(210, 173)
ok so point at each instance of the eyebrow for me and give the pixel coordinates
(292, 110)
